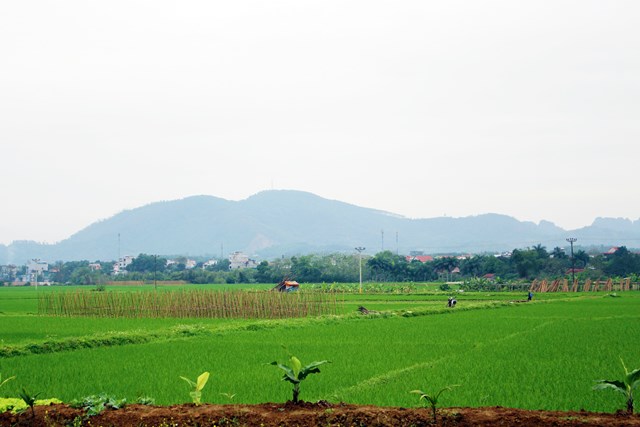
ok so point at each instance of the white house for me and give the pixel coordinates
(120, 267)
(209, 263)
(37, 266)
(241, 260)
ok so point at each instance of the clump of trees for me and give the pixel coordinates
(527, 264)
(521, 264)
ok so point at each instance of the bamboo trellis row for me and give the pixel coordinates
(589, 286)
(183, 304)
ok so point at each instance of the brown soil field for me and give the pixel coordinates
(308, 414)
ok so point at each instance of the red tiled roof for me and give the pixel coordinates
(421, 258)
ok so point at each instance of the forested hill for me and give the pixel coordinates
(282, 222)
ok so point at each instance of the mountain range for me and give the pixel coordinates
(285, 222)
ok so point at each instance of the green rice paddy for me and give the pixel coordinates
(540, 355)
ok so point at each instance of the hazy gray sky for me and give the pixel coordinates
(421, 108)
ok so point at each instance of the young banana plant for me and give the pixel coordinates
(296, 373)
(433, 399)
(30, 400)
(630, 382)
(198, 385)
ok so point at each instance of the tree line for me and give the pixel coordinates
(521, 264)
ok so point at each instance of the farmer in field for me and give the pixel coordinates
(530, 296)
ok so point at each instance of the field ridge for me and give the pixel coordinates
(110, 339)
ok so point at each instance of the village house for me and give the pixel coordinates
(210, 263)
(120, 267)
(421, 258)
(240, 260)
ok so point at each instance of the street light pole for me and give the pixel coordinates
(360, 249)
(571, 240)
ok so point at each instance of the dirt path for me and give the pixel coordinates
(309, 415)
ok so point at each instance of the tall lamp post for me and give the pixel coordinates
(571, 240)
(360, 249)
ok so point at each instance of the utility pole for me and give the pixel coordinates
(397, 250)
(155, 264)
(571, 240)
(360, 249)
(36, 261)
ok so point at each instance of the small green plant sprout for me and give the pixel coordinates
(631, 381)
(229, 396)
(6, 380)
(198, 385)
(433, 399)
(29, 400)
(296, 373)
(145, 400)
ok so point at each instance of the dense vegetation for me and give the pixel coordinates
(520, 264)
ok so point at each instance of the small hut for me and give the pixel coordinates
(287, 286)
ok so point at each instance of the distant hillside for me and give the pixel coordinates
(278, 222)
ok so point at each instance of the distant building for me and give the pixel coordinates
(95, 266)
(421, 258)
(8, 272)
(37, 266)
(36, 270)
(188, 263)
(240, 260)
(209, 263)
(120, 267)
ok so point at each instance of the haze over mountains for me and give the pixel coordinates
(285, 222)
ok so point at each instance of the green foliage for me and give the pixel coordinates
(433, 398)
(145, 400)
(229, 396)
(380, 354)
(295, 373)
(29, 400)
(630, 382)
(17, 405)
(197, 386)
(75, 343)
(95, 404)
(147, 263)
(386, 266)
(622, 263)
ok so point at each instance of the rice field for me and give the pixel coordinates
(540, 355)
